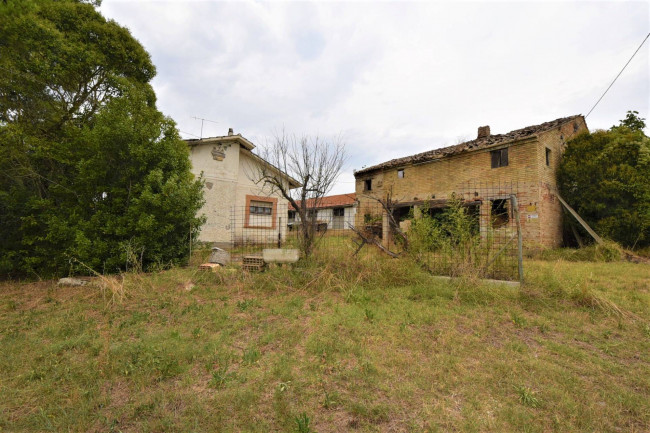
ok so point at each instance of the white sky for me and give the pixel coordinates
(393, 78)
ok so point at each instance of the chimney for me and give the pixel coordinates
(483, 132)
(230, 131)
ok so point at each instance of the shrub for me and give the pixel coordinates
(448, 242)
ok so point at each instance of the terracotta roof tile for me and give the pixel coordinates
(340, 200)
(490, 140)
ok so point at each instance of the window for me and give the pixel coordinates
(367, 185)
(548, 156)
(400, 174)
(499, 213)
(261, 208)
(261, 212)
(499, 158)
(339, 211)
(292, 215)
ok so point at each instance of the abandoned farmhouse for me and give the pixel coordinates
(486, 171)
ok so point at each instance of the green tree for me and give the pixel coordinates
(605, 177)
(633, 121)
(89, 168)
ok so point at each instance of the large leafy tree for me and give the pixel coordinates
(90, 170)
(605, 177)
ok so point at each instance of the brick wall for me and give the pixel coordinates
(550, 209)
(527, 172)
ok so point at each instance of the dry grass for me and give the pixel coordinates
(333, 345)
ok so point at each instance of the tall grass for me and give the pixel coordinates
(335, 343)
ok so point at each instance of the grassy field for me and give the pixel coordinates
(341, 345)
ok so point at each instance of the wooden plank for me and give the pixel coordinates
(580, 220)
(520, 246)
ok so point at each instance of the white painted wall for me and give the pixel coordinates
(327, 215)
(349, 216)
(227, 183)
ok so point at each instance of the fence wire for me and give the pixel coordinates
(472, 232)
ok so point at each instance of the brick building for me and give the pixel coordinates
(487, 170)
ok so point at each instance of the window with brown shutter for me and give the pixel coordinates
(499, 158)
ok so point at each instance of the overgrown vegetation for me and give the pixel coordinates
(605, 177)
(89, 168)
(374, 344)
(607, 252)
(449, 243)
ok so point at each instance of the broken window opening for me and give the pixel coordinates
(400, 174)
(500, 213)
(367, 185)
(548, 157)
(339, 211)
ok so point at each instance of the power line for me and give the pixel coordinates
(619, 74)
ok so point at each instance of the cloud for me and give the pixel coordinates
(392, 78)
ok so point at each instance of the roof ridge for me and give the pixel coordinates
(493, 139)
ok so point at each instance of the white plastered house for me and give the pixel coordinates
(337, 211)
(237, 209)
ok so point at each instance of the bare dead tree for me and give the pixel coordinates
(315, 163)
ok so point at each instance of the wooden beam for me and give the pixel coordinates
(580, 220)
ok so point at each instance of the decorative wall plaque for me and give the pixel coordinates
(219, 152)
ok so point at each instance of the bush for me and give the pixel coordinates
(605, 177)
(449, 242)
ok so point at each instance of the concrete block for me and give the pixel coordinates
(280, 255)
(71, 282)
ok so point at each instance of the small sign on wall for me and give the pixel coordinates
(532, 216)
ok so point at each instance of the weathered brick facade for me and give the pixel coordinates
(462, 169)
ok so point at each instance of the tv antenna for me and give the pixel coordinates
(203, 120)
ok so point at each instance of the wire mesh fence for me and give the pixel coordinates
(479, 233)
(472, 231)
